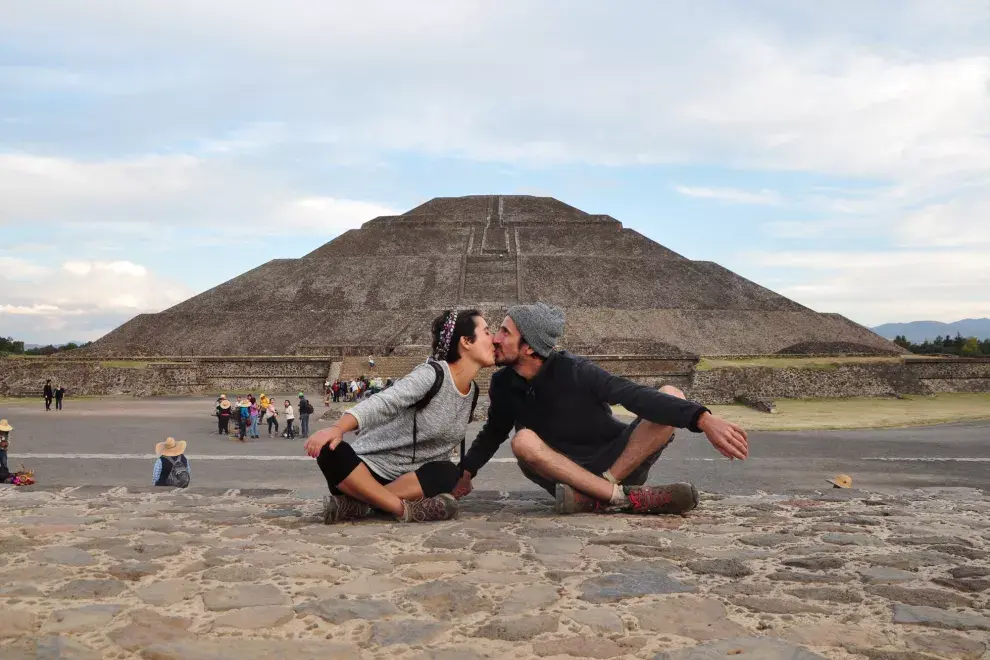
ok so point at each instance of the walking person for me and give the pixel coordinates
(223, 416)
(5, 429)
(254, 411)
(272, 417)
(289, 417)
(171, 464)
(305, 410)
(49, 394)
(59, 393)
(400, 462)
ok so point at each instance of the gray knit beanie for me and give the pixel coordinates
(540, 325)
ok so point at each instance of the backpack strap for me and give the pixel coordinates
(425, 401)
(474, 404)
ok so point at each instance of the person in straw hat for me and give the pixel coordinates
(243, 415)
(223, 416)
(5, 429)
(171, 458)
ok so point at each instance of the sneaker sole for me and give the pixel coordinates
(564, 497)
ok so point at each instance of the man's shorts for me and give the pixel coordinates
(604, 461)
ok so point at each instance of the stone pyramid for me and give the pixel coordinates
(375, 290)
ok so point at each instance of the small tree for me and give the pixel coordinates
(970, 347)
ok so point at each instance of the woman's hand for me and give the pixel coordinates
(332, 436)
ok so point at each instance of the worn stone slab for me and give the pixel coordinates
(770, 605)
(337, 611)
(14, 622)
(886, 575)
(936, 618)
(768, 540)
(167, 592)
(405, 631)
(57, 647)
(251, 618)
(947, 645)
(732, 568)
(909, 561)
(63, 555)
(244, 595)
(600, 619)
(90, 589)
(530, 597)
(930, 597)
(517, 629)
(831, 594)
(364, 585)
(702, 619)
(744, 648)
(805, 577)
(250, 649)
(448, 600)
(580, 647)
(147, 628)
(632, 582)
(80, 619)
(837, 538)
(831, 633)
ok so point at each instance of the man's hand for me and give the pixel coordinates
(463, 487)
(728, 438)
(332, 436)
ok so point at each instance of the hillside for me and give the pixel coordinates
(919, 331)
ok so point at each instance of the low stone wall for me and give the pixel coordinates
(912, 376)
(26, 376)
(721, 385)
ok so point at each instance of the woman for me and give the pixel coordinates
(289, 418)
(272, 417)
(223, 416)
(254, 411)
(400, 462)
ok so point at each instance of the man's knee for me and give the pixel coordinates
(672, 391)
(525, 444)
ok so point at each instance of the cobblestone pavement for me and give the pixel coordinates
(195, 575)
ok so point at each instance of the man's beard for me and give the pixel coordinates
(502, 360)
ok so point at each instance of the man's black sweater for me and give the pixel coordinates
(567, 405)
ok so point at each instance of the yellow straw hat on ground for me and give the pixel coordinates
(5, 426)
(170, 447)
(841, 481)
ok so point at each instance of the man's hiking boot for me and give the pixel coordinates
(574, 501)
(338, 508)
(429, 509)
(669, 498)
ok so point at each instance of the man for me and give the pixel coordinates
(59, 395)
(49, 394)
(305, 410)
(567, 440)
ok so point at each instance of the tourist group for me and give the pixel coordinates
(247, 412)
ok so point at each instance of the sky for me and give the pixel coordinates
(837, 153)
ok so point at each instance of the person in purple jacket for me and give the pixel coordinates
(566, 438)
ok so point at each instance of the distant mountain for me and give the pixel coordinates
(28, 347)
(919, 331)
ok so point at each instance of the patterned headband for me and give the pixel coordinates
(443, 347)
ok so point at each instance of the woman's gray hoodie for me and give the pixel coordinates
(385, 423)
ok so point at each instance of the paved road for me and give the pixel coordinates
(116, 437)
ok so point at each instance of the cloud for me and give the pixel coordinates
(878, 287)
(153, 196)
(763, 197)
(83, 298)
